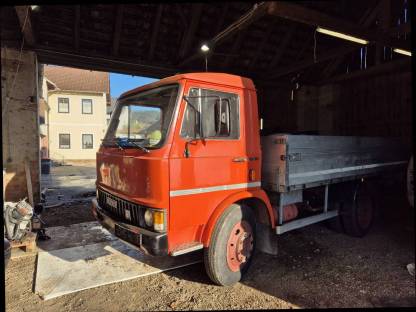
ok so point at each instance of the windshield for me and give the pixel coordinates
(142, 120)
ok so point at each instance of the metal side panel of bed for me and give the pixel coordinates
(292, 162)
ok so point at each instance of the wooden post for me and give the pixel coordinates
(29, 183)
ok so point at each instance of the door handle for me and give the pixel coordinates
(240, 159)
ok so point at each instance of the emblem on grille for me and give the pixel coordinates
(111, 202)
(127, 214)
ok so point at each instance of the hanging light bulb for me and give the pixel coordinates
(204, 48)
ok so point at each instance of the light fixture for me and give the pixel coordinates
(204, 48)
(34, 7)
(341, 35)
(404, 52)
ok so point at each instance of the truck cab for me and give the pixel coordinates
(177, 153)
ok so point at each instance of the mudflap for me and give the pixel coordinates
(266, 239)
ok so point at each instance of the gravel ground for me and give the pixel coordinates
(316, 268)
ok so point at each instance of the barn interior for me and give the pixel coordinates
(307, 81)
(319, 67)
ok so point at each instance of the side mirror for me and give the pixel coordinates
(222, 117)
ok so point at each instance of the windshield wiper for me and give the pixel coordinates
(116, 141)
(113, 141)
(139, 146)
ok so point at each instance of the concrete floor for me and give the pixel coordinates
(85, 255)
(69, 182)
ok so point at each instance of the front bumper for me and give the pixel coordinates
(152, 243)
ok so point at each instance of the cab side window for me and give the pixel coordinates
(211, 114)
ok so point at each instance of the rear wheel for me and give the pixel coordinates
(358, 214)
(232, 246)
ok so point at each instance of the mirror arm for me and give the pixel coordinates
(186, 152)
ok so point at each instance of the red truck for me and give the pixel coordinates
(183, 167)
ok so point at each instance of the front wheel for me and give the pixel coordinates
(232, 245)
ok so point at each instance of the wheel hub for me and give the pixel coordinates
(239, 246)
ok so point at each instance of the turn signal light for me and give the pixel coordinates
(158, 220)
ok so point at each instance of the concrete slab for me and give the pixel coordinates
(69, 270)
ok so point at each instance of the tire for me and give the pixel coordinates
(235, 227)
(358, 213)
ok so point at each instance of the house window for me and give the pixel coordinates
(63, 105)
(87, 141)
(64, 140)
(86, 106)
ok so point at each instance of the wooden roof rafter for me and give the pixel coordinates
(155, 30)
(117, 29)
(77, 9)
(25, 20)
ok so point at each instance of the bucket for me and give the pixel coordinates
(45, 167)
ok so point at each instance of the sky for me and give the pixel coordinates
(120, 83)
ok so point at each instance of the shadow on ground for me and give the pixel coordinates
(315, 266)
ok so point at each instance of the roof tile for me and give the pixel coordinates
(75, 79)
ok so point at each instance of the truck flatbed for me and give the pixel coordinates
(293, 162)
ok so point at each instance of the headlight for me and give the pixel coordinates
(155, 219)
(148, 217)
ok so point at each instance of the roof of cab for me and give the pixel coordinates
(215, 78)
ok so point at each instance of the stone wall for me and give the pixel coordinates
(20, 124)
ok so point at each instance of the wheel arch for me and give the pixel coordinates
(257, 200)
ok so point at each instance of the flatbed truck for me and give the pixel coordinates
(183, 167)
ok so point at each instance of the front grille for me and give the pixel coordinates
(136, 211)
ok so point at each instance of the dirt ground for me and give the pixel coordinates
(315, 268)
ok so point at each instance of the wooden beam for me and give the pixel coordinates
(181, 15)
(234, 49)
(260, 48)
(222, 17)
(401, 29)
(397, 65)
(258, 11)
(309, 62)
(282, 46)
(101, 63)
(25, 21)
(315, 18)
(76, 26)
(384, 23)
(155, 32)
(366, 20)
(117, 29)
(189, 34)
(244, 21)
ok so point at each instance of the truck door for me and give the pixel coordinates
(210, 168)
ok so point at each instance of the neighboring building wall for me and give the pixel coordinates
(76, 123)
(20, 137)
(43, 120)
